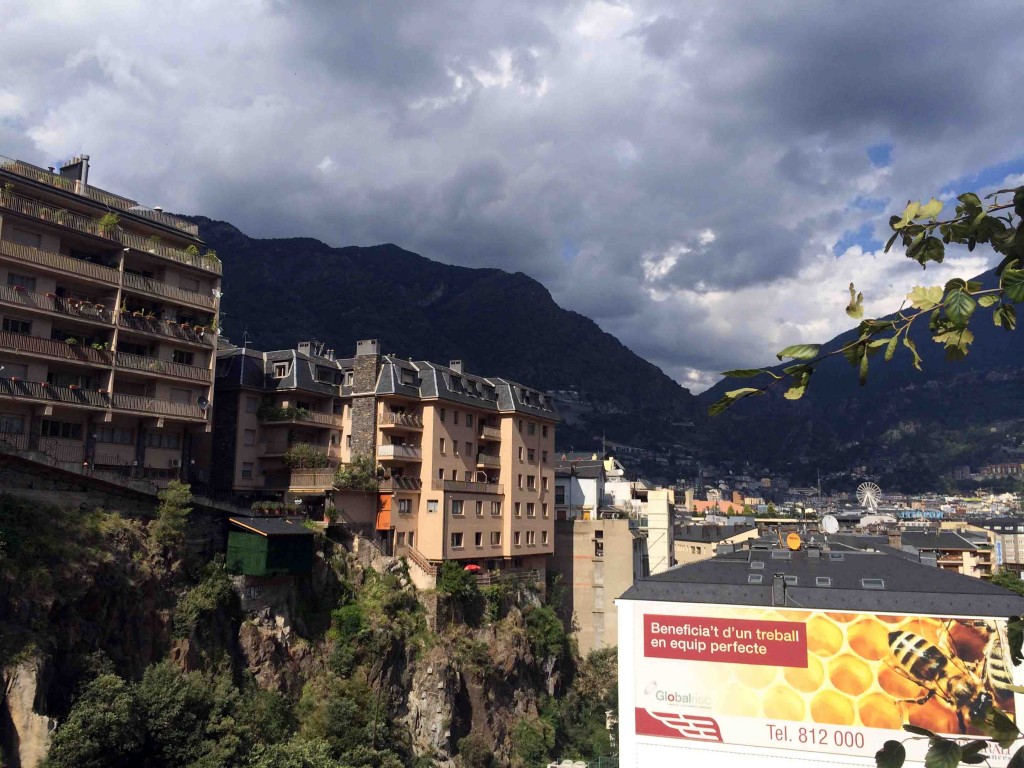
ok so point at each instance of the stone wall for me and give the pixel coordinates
(364, 407)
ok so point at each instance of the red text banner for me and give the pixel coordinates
(734, 641)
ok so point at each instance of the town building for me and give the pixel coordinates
(777, 656)
(701, 541)
(465, 463)
(109, 326)
(1008, 544)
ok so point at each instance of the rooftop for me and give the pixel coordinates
(856, 581)
(271, 526)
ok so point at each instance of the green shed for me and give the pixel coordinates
(269, 546)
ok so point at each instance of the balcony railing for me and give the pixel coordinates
(163, 328)
(467, 486)
(407, 420)
(165, 367)
(36, 345)
(30, 171)
(284, 415)
(488, 460)
(389, 484)
(140, 243)
(48, 302)
(148, 285)
(490, 433)
(159, 407)
(59, 261)
(32, 390)
(281, 447)
(321, 479)
(409, 452)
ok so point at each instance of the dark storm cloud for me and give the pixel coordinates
(679, 173)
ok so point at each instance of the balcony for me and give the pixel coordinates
(391, 484)
(141, 284)
(488, 460)
(58, 350)
(162, 367)
(168, 330)
(467, 486)
(272, 448)
(311, 479)
(87, 398)
(58, 261)
(90, 226)
(30, 171)
(48, 302)
(490, 433)
(273, 415)
(401, 421)
(399, 453)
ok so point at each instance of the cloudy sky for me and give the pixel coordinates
(703, 179)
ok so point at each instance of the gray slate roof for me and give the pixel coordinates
(909, 587)
(271, 526)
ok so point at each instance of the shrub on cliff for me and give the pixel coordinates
(103, 730)
(172, 517)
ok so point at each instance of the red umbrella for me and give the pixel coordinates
(472, 567)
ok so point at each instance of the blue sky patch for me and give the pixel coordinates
(863, 236)
(985, 178)
(880, 155)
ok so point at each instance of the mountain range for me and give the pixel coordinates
(905, 428)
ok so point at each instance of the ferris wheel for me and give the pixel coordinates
(868, 494)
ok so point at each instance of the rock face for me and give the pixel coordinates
(431, 704)
(22, 725)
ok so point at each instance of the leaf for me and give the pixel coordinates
(892, 240)
(891, 755)
(1015, 638)
(799, 385)
(855, 308)
(1017, 761)
(960, 306)
(987, 300)
(908, 214)
(744, 373)
(795, 392)
(1012, 283)
(1005, 317)
(913, 350)
(1018, 201)
(971, 753)
(800, 352)
(730, 398)
(930, 210)
(970, 200)
(862, 374)
(942, 753)
(890, 350)
(956, 341)
(977, 759)
(918, 730)
(929, 249)
(1000, 727)
(925, 298)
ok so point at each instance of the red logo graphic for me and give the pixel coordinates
(675, 726)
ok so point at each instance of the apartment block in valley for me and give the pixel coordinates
(108, 335)
(466, 463)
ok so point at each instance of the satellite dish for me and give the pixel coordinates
(868, 494)
(203, 403)
(793, 541)
(829, 524)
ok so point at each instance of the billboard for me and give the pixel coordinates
(812, 681)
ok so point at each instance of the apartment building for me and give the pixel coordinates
(109, 325)
(466, 462)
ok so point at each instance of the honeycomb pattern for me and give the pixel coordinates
(852, 677)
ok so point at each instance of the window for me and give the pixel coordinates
(467, 476)
(544, 510)
(544, 537)
(754, 578)
(519, 482)
(544, 456)
(520, 454)
(280, 370)
(163, 440)
(24, 237)
(560, 494)
(457, 507)
(348, 441)
(21, 281)
(531, 482)
(440, 415)
(517, 538)
(757, 565)
(442, 445)
(404, 506)
(495, 538)
(431, 508)
(469, 420)
(251, 405)
(520, 425)
(544, 431)
(181, 396)
(115, 435)
(13, 325)
(188, 283)
(518, 509)
(455, 418)
(531, 455)
(455, 447)
(247, 470)
(531, 538)
(13, 370)
(183, 357)
(495, 509)
(469, 448)
(872, 583)
(478, 539)
(479, 509)
(12, 424)
(409, 377)
(412, 537)
(457, 540)
(65, 430)
(544, 481)
(531, 428)
(400, 539)
(791, 581)
(249, 437)
(822, 581)
(531, 509)
(440, 473)
(349, 380)
(455, 475)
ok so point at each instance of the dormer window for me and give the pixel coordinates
(281, 370)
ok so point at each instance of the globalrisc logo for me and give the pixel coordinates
(677, 698)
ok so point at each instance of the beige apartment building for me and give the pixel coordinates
(109, 325)
(466, 462)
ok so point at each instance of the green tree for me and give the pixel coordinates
(103, 730)
(1009, 580)
(360, 474)
(171, 522)
(297, 753)
(947, 310)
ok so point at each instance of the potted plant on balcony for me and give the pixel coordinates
(191, 251)
(108, 224)
(154, 242)
(71, 341)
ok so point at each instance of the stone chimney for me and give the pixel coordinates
(895, 538)
(456, 365)
(364, 399)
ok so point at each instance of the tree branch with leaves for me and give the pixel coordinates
(950, 309)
